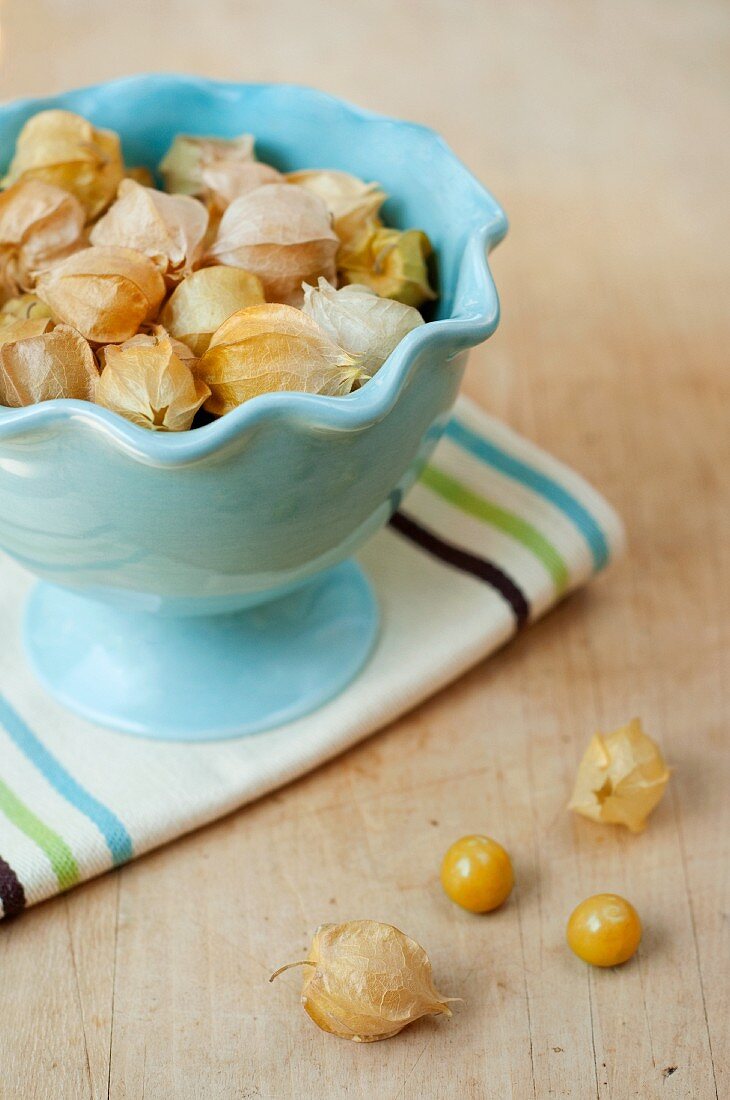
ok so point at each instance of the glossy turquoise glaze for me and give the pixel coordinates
(205, 676)
(250, 507)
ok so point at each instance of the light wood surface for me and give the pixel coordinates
(600, 127)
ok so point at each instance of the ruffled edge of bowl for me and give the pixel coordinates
(474, 317)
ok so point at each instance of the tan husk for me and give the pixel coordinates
(13, 329)
(168, 228)
(391, 262)
(151, 336)
(106, 293)
(40, 366)
(228, 181)
(64, 149)
(182, 350)
(38, 223)
(282, 234)
(140, 174)
(147, 383)
(353, 204)
(621, 778)
(23, 308)
(366, 326)
(270, 348)
(366, 981)
(203, 301)
(181, 167)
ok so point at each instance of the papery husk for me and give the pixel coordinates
(271, 348)
(621, 778)
(147, 383)
(13, 329)
(104, 292)
(64, 149)
(391, 262)
(41, 366)
(228, 181)
(366, 981)
(182, 350)
(150, 337)
(23, 308)
(353, 204)
(140, 174)
(203, 301)
(356, 318)
(38, 224)
(282, 234)
(181, 167)
(170, 229)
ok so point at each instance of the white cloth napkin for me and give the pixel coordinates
(491, 537)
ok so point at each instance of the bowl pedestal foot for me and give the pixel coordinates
(201, 678)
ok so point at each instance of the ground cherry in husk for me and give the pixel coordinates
(477, 874)
(604, 930)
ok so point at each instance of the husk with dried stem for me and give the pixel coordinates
(366, 981)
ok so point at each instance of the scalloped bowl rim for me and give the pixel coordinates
(353, 412)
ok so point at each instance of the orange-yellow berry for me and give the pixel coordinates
(604, 930)
(477, 874)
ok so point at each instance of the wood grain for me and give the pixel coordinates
(599, 126)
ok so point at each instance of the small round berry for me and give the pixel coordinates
(477, 874)
(604, 930)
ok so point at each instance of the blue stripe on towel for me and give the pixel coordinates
(534, 479)
(118, 840)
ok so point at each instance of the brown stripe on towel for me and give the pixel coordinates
(481, 568)
(12, 893)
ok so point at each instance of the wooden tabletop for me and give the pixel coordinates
(603, 130)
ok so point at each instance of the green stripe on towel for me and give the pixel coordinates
(111, 828)
(487, 451)
(59, 854)
(469, 502)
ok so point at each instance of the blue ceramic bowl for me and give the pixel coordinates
(149, 537)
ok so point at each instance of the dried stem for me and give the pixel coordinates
(302, 962)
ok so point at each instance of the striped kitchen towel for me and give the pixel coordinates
(494, 533)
